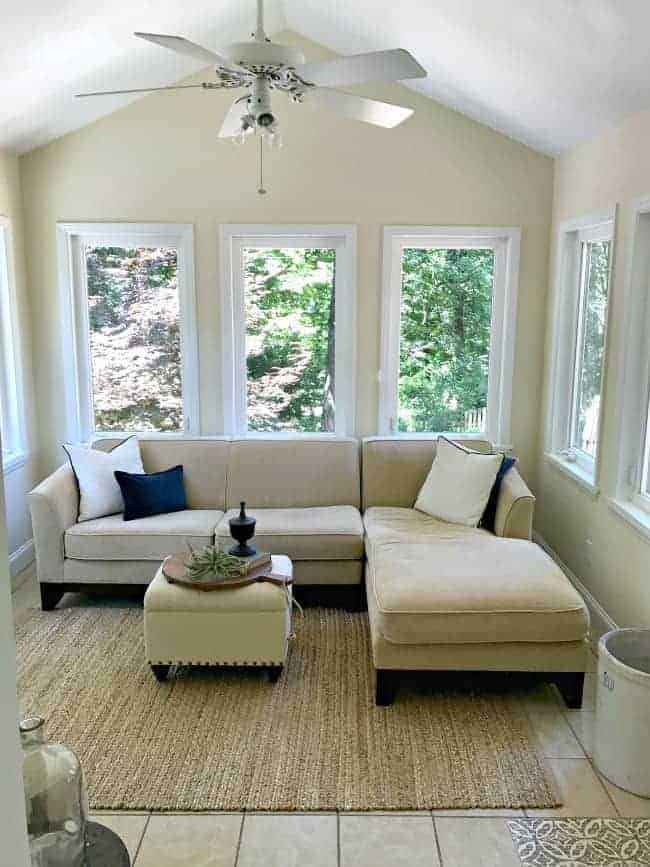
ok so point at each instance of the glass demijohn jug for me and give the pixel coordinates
(55, 799)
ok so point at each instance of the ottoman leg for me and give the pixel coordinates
(386, 687)
(160, 672)
(274, 672)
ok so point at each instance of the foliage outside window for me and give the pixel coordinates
(579, 345)
(590, 345)
(134, 335)
(288, 306)
(290, 317)
(445, 324)
(128, 320)
(449, 320)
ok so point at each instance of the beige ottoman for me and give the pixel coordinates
(235, 626)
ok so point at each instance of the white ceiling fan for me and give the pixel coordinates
(261, 66)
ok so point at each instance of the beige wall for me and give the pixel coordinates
(612, 169)
(19, 480)
(159, 160)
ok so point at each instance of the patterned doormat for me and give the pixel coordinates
(582, 842)
(227, 739)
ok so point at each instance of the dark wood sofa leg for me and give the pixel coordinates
(160, 672)
(274, 672)
(386, 687)
(571, 685)
(51, 595)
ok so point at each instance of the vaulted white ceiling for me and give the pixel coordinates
(550, 73)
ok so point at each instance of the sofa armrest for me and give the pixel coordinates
(515, 507)
(54, 505)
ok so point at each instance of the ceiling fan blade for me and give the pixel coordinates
(393, 65)
(189, 49)
(231, 125)
(358, 107)
(140, 90)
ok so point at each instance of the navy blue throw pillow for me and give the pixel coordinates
(490, 513)
(147, 494)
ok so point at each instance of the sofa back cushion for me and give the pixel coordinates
(204, 461)
(294, 472)
(394, 469)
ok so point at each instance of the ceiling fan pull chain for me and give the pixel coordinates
(260, 190)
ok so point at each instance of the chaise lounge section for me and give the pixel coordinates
(448, 597)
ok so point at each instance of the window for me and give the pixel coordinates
(449, 318)
(585, 253)
(288, 329)
(632, 495)
(11, 423)
(131, 343)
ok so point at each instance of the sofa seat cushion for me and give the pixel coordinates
(396, 524)
(113, 538)
(321, 533)
(472, 589)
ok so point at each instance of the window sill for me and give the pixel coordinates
(13, 461)
(574, 472)
(636, 517)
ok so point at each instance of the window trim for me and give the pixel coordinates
(567, 306)
(633, 379)
(75, 336)
(14, 453)
(505, 241)
(232, 236)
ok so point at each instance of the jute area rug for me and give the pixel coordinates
(226, 739)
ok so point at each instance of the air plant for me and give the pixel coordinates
(212, 561)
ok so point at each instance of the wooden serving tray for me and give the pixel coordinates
(173, 568)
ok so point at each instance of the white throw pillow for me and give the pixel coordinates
(458, 485)
(99, 493)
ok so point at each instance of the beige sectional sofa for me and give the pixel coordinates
(439, 596)
(305, 494)
(443, 596)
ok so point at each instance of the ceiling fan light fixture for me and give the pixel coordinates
(274, 139)
(262, 66)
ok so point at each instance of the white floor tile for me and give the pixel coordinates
(198, 840)
(128, 826)
(288, 841)
(581, 791)
(556, 739)
(583, 723)
(627, 804)
(475, 843)
(387, 841)
(479, 813)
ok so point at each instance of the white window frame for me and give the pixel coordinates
(11, 386)
(71, 240)
(633, 380)
(505, 242)
(233, 238)
(568, 307)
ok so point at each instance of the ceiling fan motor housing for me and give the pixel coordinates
(258, 56)
(259, 103)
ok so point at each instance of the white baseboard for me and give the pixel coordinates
(21, 558)
(601, 622)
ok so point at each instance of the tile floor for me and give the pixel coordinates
(444, 838)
